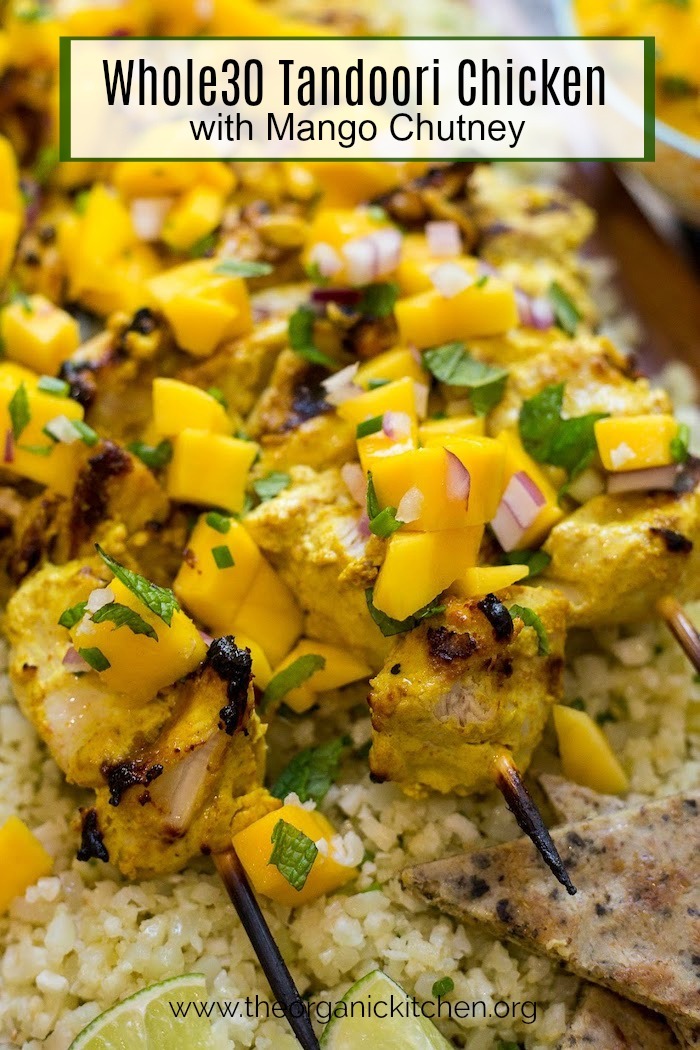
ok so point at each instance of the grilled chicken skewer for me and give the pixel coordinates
(161, 802)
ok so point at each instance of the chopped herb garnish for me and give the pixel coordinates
(204, 246)
(96, 658)
(220, 522)
(536, 561)
(566, 313)
(74, 614)
(481, 281)
(122, 616)
(680, 444)
(20, 414)
(443, 987)
(369, 426)
(385, 523)
(373, 508)
(222, 556)
(374, 384)
(548, 438)
(454, 365)
(312, 771)
(301, 337)
(271, 485)
(389, 626)
(88, 436)
(378, 300)
(531, 619)
(377, 213)
(293, 853)
(577, 704)
(54, 386)
(292, 676)
(243, 268)
(37, 450)
(218, 395)
(80, 201)
(313, 272)
(159, 600)
(154, 456)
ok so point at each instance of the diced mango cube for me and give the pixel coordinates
(10, 225)
(586, 756)
(105, 231)
(32, 454)
(212, 594)
(635, 442)
(10, 194)
(370, 179)
(204, 308)
(197, 213)
(342, 667)
(430, 319)
(438, 480)
(178, 406)
(488, 579)
(262, 672)
(210, 469)
(419, 565)
(392, 364)
(438, 432)
(23, 861)
(270, 615)
(140, 665)
(517, 460)
(38, 334)
(145, 178)
(398, 396)
(414, 274)
(254, 848)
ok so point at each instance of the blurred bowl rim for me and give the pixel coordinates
(566, 25)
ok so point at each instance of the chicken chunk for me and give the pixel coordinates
(312, 536)
(458, 689)
(616, 556)
(168, 801)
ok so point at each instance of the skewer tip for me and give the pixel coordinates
(679, 623)
(519, 801)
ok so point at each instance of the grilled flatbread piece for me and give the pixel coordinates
(604, 1021)
(633, 925)
(572, 802)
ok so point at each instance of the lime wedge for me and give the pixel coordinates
(145, 1021)
(375, 992)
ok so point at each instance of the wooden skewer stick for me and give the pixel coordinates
(253, 921)
(678, 622)
(519, 801)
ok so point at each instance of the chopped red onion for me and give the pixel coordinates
(148, 215)
(450, 279)
(355, 481)
(485, 269)
(396, 425)
(61, 429)
(341, 296)
(457, 478)
(506, 528)
(206, 638)
(410, 505)
(660, 478)
(534, 311)
(372, 257)
(340, 387)
(178, 790)
(444, 238)
(363, 529)
(74, 662)
(326, 258)
(9, 453)
(523, 498)
(98, 598)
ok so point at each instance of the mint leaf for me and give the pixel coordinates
(19, 410)
(271, 485)
(292, 676)
(293, 853)
(389, 626)
(385, 523)
(300, 332)
(74, 614)
(220, 522)
(122, 616)
(154, 456)
(536, 561)
(548, 438)
(159, 600)
(312, 771)
(218, 395)
(243, 268)
(565, 311)
(680, 444)
(378, 300)
(222, 556)
(454, 365)
(95, 658)
(203, 247)
(531, 619)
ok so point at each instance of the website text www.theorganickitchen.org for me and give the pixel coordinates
(324, 1010)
